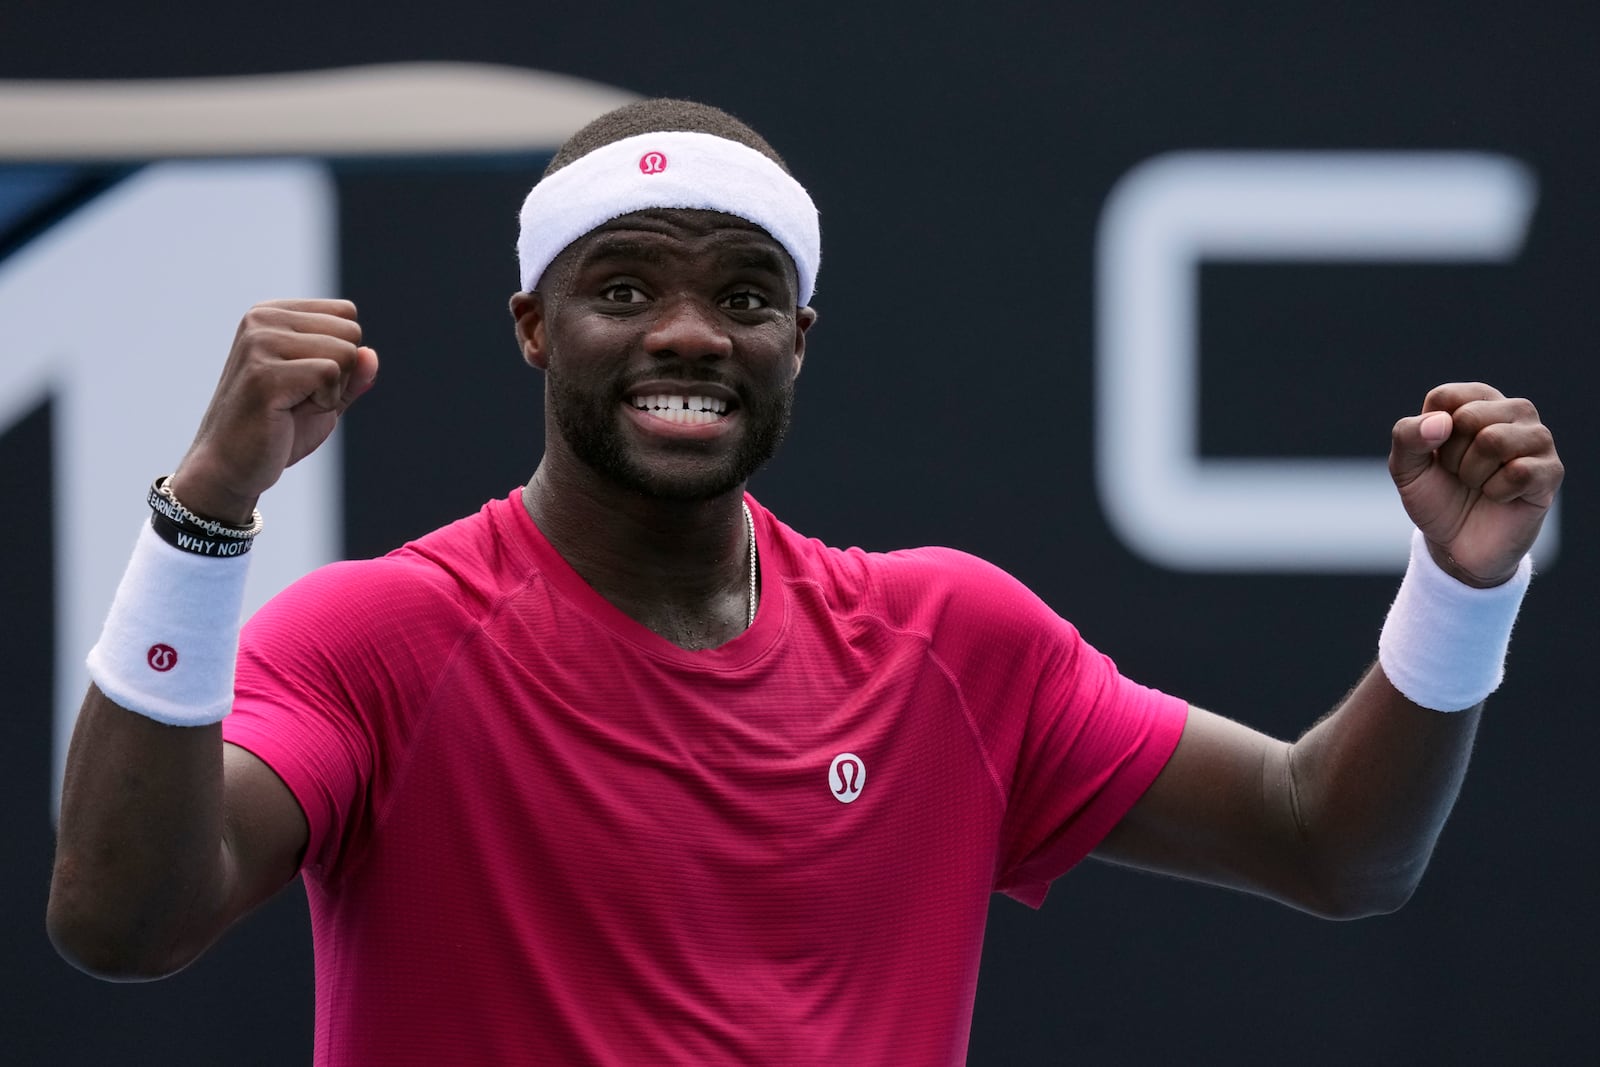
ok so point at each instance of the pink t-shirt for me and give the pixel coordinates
(542, 834)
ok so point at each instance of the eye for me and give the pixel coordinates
(744, 300)
(623, 293)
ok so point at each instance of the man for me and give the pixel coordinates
(623, 770)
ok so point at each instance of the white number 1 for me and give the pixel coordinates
(121, 315)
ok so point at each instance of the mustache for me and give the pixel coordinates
(679, 375)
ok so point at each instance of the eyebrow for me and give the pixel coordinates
(741, 256)
(626, 248)
(758, 257)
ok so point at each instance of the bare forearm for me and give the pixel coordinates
(167, 833)
(139, 874)
(1339, 824)
(1342, 822)
(1372, 785)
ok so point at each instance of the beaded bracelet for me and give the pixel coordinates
(183, 529)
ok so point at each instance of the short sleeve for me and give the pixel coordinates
(1093, 742)
(1071, 743)
(332, 675)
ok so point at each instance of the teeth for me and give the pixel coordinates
(685, 409)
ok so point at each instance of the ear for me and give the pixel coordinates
(804, 319)
(528, 312)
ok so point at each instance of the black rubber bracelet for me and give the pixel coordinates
(189, 539)
(162, 502)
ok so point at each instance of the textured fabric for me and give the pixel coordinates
(168, 646)
(542, 834)
(681, 169)
(1444, 643)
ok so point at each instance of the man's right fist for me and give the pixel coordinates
(295, 366)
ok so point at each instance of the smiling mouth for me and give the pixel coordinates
(689, 410)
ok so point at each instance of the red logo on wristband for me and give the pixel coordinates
(162, 658)
(652, 163)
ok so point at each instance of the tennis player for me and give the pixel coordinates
(621, 769)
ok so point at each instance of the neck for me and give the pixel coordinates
(680, 568)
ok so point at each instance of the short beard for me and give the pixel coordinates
(588, 424)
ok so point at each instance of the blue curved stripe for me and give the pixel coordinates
(34, 197)
(25, 190)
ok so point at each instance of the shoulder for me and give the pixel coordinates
(930, 589)
(447, 578)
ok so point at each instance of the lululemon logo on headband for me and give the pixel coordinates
(162, 658)
(846, 775)
(652, 163)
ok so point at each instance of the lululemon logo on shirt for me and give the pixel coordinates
(652, 163)
(846, 775)
(162, 658)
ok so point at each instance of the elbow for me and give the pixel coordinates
(102, 947)
(1341, 899)
(1344, 909)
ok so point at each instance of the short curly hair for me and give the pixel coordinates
(660, 115)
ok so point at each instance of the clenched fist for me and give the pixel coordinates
(1477, 471)
(295, 367)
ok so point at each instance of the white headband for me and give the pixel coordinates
(668, 170)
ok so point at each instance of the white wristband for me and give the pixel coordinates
(1444, 642)
(169, 643)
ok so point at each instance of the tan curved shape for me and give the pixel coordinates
(381, 110)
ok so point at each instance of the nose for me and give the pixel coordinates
(688, 328)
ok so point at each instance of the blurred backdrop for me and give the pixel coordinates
(1122, 297)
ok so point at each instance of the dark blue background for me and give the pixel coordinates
(961, 159)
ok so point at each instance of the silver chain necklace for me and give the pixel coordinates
(750, 531)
